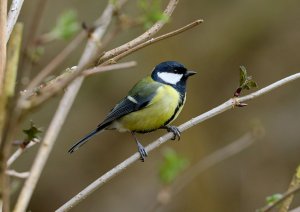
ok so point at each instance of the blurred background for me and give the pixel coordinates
(264, 36)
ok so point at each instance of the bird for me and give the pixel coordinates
(152, 103)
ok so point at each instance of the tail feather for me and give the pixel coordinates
(84, 140)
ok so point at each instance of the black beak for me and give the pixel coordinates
(190, 73)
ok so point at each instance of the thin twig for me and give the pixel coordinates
(20, 151)
(142, 38)
(61, 114)
(37, 15)
(100, 69)
(12, 17)
(279, 201)
(57, 60)
(230, 104)
(153, 40)
(88, 72)
(14, 173)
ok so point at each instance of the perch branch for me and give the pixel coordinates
(230, 104)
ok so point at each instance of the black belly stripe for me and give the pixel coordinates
(181, 101)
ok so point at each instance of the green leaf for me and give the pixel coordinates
(171, 166)
(273, 198)
(66, 25)
(243, 75)
(32, 132)
(246, 81)
(152, 12)
(35, 53)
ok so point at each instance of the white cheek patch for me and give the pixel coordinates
(170, 78)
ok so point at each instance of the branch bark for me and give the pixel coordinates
(153, 40)
(100, 69)
(142, 38)
(230, 104)
(12, 17)
(20, 151)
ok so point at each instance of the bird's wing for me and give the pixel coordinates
(138, 98)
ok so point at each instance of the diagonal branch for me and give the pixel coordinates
(100, 69)
(230, 104)
(48, 69)
(145, 36)
(19, 152)
(12, 17)
(153, 40)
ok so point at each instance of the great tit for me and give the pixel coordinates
(153, 103)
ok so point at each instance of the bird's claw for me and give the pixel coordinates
(142, 151)
(176, 132)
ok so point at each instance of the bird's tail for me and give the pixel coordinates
(84, 140)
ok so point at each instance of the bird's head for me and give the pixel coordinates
(172, 73)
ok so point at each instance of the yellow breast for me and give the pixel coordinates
(161, 108)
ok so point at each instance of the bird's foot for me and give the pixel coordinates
(176, 132)
(142, 151)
